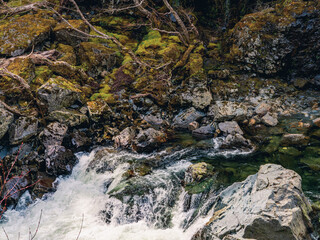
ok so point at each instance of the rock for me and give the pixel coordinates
(23, 129)
(182, 120)
(262, 109)
(200, 97)
(154, 120)
(316, 122)
(269, 205)
(58, 93)
(44, 185)
(59, 160)
(230, 127)
(204, 132)
(197, 172)
(12, 188)
(124, 139)
(79, 140)
(294, 140)
(193, 125)
(270, 120)
(71, 118)
(53, 134)
(147, 140)
(227, 110)
(66, 35)
(20, 33)
(236, 141)
(6, 118)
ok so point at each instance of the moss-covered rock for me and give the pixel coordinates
(67, 35)
(70, 118)
(58, 93)
(6, 118)
(96, 58)
(20, 33)
(67, 54)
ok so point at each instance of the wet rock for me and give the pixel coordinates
(230, 127)
(79, 140)
(44, 185)
(23, 129)
(236, 141)
(268, 205)
(53, 134)
(147, 140)
(227, 110)
(20, 33)
(6, 118)
(124, 139)
(294, 140)
(58, 93)
(270, 120)
(193, 125)
(204, 132)
(59, 160)
(182, 120)
(70, 118)
(197, 172)
(262, 109)
(12, 188)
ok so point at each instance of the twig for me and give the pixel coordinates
(5, 233)
(80, 227)
(10, 109)
(37, 226)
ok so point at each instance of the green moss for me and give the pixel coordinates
(68, 54)
(290, 151)
(43, 73)
(23, 67)
(312, 162)
(196, 187)
(195, 63)
(78, 24)
(64, 83)
(18, 34)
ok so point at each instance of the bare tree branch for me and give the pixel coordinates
(23, 8)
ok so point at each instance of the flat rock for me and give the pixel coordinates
(70, 118)
(294, 140)
(262, 109)
(204, 132)
(227, 110)
(53, 134)
(270, 120)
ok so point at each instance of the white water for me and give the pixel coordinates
(82, 194)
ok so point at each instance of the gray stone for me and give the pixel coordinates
(53, 134)
(193, 125)
(226, 110)
(58, 94)
(230, 127)
(262, 109)
(182, 120)
(204, 132)
(6, 118)
(124, 139)
(236, 141)
(149, 139)
(269, 205)
(200, 97)
(154, 120)
(71, 118)
(270, 120)
(23, 129)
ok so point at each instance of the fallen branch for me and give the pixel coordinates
(24, 8)
(11, 109)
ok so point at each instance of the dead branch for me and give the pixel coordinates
(24, 8)
(142, 9)
(113, 10)
(80, 227)
(5, 233)
(11, 109)
(185, 56)
(37, 229)
(180, 22)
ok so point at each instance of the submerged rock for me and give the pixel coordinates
(294, 140)
(269, 205)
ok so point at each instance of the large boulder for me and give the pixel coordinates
(23, 129)
(269, 205)
(230, 127)
(182, 120)
(59, 93)
(18, 34)
(204, 132)
(266, 41)
(6, 118)
(71, 118)
(125, 138)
